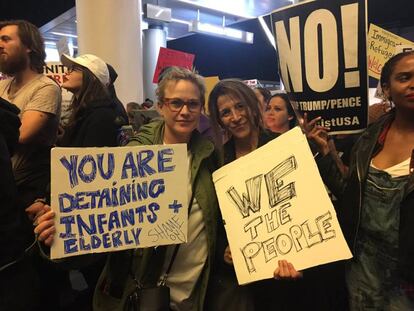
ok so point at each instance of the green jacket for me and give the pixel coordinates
(116, 283)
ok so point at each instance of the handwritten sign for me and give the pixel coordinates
(276, 207)
(382, 45)
(108, 199)
(170, 57)
(322, 61)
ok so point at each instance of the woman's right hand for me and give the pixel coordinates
(45, 227)
(316, 133)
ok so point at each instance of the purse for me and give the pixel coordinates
(156, 298)
(149, 299)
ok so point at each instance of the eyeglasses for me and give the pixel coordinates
(176, 104)
(73, 68)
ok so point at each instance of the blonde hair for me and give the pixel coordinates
(175, 74)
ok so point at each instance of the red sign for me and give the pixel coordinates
(169, 57)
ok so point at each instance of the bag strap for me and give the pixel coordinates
(138, 283)
(174, 255)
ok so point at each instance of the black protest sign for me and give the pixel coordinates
(322, 60)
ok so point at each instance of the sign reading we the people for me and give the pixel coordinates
(321, 48)
(276, 207)
(109, 199)
(382, 45)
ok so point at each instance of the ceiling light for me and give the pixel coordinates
(63, 34)
(227, 7)
(221, 31)
(267, 31)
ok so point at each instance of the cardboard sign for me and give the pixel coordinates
(110, 199)
(169, 57)
(276, 207)
(322, 60)
(382, 45)
(210, 84)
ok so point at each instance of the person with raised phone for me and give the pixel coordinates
(376, 196)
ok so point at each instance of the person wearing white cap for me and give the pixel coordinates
(92, 121)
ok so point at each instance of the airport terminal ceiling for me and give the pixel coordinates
(386, 13)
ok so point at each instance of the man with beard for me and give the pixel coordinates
(22, 57)
(38, 97)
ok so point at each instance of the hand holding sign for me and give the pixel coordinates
(116, 198)
(276, 208)
(45, 228)
(321, 47)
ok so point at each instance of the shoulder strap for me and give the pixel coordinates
(174, 255)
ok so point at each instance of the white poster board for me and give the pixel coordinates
(275, 206)
(108, 199)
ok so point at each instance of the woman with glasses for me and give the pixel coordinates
(234, 107)
(180, 96)
(279, 116)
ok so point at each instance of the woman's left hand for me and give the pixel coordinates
(286, 271)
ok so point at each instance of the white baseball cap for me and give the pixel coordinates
(96, 65)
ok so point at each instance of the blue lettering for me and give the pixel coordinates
(127, 216)
(95, 242)
(70, 246)
(140, 211)
(71, 167)
(142, 190)
(113, 221)
(72, 200)
(87, 178)
(105, 195)
(111, 165)
(83, 245)
(143, 157)
(93, 195)
(153, 207)
(136, 232)
(129, 164)
(125, 195)
(68, 221)
(101, 221)
(116, 238)
(106, 240)
(159, 186)
(83, 226)
(162, 160)
(126, 238)
(79, 198)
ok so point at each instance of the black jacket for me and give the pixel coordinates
(97, 126)
(11, 239)
(349, 190)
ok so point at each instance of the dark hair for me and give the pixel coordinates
(389, 66)
(265, 93)
(291, 112)
(92, 90)
(240, 91)
(32, 39)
